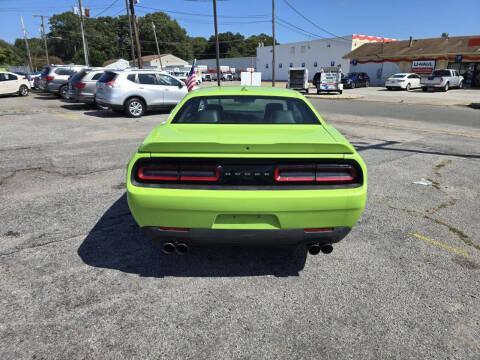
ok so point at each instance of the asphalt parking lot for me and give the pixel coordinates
(78, 280)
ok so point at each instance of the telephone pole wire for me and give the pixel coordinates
(273, 47)
(84, 38)
(132, 44)
(217, 45)
(44, 36)
(137, 36)
(26, 45)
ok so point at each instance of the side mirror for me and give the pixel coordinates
(181, 85)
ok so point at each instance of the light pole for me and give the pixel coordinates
(44, 36)
(217, 45)
(273, 47)
(82, 28)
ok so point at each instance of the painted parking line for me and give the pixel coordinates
(441, 245)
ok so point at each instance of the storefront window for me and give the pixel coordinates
(469, 71)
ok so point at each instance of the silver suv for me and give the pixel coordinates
(54, 78)
(83, 85)
(135, 91)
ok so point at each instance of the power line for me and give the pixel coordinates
(311, 22)
(200, 14)
(107, 8)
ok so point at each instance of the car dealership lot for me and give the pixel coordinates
(79, 280)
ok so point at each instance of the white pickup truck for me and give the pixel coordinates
(442, 79)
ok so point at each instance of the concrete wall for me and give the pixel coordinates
(312, 55)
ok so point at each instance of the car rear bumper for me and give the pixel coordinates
(87, 99)
(245, 237)
(108, 105)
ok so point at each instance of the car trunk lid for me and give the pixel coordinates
(255, 139)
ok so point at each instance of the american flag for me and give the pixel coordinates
(192, 78)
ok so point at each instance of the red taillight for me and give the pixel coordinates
(49, 78)
(174, 173)
(295, 173)
(200, 173)
(110, 83)
(324, 174)
(337, 174)
(79, 85)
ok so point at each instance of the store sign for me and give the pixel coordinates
(423, 66)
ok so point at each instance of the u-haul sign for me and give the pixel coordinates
(423, 66)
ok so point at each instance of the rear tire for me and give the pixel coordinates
(353, 85)
(460, 86)
(367, 84)
(424, 89)
(63, 92)
(446, 87)
(134, 108)
(23, 91)
(408, 87)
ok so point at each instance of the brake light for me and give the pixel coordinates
(110, 84)
(337, 174)
(295, 173)
(175, 173)
(79, 85)
(332, 174)
(49, 78)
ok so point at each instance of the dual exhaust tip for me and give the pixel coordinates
(180, 248)
(314, 249)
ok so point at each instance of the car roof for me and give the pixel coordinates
(244, 91)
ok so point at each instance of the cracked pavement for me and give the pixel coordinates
(79, 281)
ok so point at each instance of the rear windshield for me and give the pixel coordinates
(78, 76)
(441, 73)
(45, 71)
(107, 76)
(245, 110)
(398, 76)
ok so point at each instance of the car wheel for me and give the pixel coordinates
(445, 88)
(408, 87)
(460, 86)
(353, 85)
(367, 84)
(134, 108)
(340, 92)
(23, 91)
(63, 91)
(424, 89)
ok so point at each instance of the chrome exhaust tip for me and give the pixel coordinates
(313, 249)
(327, 249)
(168, 248)
(181, 248)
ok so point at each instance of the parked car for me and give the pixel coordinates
(355, 79)
(226, 77)
(261, 184)
(181, 75)
(443, 79)
(405, 81)
(83, 85)
(32, 78)
(206, 77)
(54, 78)
(135, 91)
(11, 83)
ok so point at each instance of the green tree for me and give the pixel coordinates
(199, 46)
(9, 55)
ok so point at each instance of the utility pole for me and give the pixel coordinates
(217, 45)
(156, 42)
(82, 28)
(132, 45)
(273, 47)
(26, 45)
(137, 37)
(44, 36)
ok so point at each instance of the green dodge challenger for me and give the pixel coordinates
(243, 166)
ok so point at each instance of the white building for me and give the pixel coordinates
(312, 55)
(237, 63)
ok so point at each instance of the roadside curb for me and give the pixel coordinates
(333, 97)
